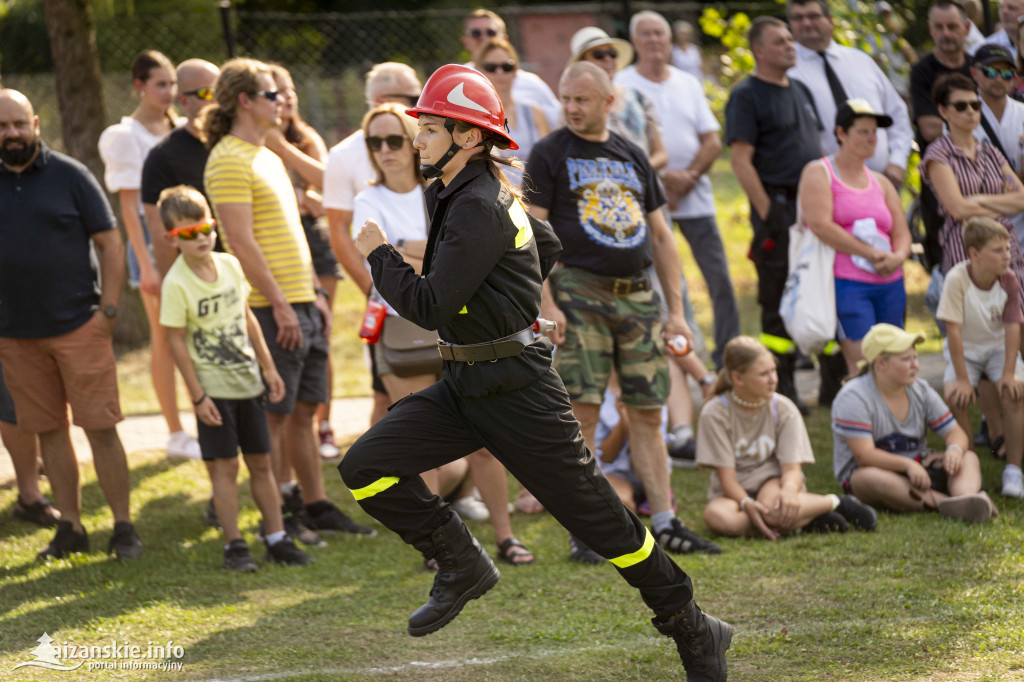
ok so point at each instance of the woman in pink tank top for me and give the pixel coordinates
(857, 211)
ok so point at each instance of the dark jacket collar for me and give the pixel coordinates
(470, 172)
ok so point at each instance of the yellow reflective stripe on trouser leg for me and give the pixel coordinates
(627, 560)
(831, 348)
(777, 344)
(378, 486)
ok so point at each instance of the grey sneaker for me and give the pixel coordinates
(238, 559)
(124, 543)
(296, 529)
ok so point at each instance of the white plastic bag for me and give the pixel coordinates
(808, 306)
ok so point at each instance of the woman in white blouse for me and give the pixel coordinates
(124, 147)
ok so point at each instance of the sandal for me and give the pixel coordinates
(526, 503)
(998, 447)
(511, 551)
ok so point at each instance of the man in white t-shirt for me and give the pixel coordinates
(528, 87)
(994, 73)
(348, 172)
(1009, 12)
(690, 132)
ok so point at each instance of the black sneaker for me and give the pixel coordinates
(285, 552)
(296, 529)
(40, 513)
(981, 439)
(683, 453)
(581, 553)
(856, 513)
(238, 559)
(679, 539)
(210, 515)
(326, 518)
(124, 543)
(66, 541)
(829, 522)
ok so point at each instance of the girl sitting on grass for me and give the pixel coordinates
(755, 443)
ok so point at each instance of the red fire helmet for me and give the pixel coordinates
(463, 94)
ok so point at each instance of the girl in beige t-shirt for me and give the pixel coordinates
(755, 442)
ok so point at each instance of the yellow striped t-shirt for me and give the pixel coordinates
(239, 172)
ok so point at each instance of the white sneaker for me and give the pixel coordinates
(183, 446)
(1013, 483)
(471, 509)
(328, 448)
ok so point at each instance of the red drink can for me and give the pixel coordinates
(373, 321)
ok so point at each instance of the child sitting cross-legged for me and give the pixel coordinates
(981, 307)
(755, 443)
(218, 347)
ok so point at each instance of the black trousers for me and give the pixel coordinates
(532, 431)
(770, 253)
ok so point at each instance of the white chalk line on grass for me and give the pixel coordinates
(412, 665)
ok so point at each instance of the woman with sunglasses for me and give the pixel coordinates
(499, 61)
(395, 202)
(969, 177)
(124, 147)
(314, 222)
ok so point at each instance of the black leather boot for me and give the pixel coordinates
(464, 572)
(701, 641)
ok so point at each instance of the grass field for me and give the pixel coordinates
(920, 599)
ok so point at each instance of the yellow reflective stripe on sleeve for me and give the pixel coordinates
(777, 344)
(519, 218)
(463, 311)
(378, 486)
(627, 560)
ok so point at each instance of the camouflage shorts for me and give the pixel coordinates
(605, 331)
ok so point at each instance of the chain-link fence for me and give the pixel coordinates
(327, 53)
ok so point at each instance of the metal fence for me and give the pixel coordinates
(327, 53)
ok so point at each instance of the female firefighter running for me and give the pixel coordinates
(481, 286)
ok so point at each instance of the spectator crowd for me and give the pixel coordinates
(240, 223)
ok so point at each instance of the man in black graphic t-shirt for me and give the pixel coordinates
(603, 200)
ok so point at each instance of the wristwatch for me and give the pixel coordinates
(322, 292)
(109, 310)
(707, 379)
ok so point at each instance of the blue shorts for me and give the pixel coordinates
(860, 306)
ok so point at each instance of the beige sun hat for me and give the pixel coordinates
(591, 37)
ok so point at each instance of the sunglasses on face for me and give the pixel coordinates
(480, 33)
(961, 106)
(992, 72)
(394, 142)
(205, 94)
(269, 94)
(601, 54)
(507, 67)
(190, 232)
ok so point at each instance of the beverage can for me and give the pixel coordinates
(678, 345)
(373, 321)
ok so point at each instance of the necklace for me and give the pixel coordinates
(750, 406)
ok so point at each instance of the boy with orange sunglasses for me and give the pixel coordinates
(219, 349)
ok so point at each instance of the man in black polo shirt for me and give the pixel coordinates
(55, 326)
(604, 203)
(948, 26)
(180, 158)
(773, 128)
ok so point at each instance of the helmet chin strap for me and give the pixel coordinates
(435, 170)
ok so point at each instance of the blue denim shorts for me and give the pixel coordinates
(861, 305)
